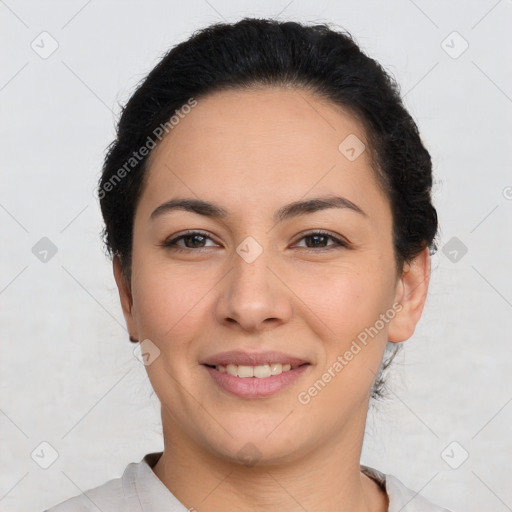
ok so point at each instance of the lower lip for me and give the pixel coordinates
(252, 387)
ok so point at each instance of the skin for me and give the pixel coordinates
(252, 152)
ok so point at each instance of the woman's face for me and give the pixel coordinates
(257, 281)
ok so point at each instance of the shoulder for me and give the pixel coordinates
(401, 498)
(127, 493)
(106, 497)
(138, 490)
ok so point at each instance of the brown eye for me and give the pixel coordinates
(319, 238)
(192, 240)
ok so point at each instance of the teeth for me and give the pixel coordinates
(245, 371)
(260, 372)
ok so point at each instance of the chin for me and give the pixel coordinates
(258, 446)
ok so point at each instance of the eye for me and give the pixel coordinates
(197, 240)
(319, 237)
(192, 239)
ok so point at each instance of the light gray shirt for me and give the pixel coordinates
(140, 490)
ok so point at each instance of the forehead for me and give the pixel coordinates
(277, 118)
(257, 146)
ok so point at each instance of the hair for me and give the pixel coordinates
(254, 53)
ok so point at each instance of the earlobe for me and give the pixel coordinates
(125, 296)
(411, 293)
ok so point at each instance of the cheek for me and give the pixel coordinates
(169, 309)
(353, 337)
(168, 302)
(347, 299)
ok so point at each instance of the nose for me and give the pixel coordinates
(253, 296)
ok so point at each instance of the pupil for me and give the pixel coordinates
(316, 237)
(195, 237)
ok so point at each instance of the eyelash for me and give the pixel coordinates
(339, 243)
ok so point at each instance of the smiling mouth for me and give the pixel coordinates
(262, 371)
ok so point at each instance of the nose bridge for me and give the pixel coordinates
(252, 294)
(251, 273)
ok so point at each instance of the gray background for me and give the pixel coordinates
(68, 374)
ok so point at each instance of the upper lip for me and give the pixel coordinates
(240, 357)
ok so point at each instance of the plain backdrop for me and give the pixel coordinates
(69, 378)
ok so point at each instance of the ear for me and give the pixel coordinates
(125, 296)
(411, 293)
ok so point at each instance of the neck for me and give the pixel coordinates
(326, 478)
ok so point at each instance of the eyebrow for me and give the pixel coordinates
(288, 211)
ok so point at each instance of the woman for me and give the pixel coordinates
(267, 204)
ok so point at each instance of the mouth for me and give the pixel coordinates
(262, 371)
(254, 375)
